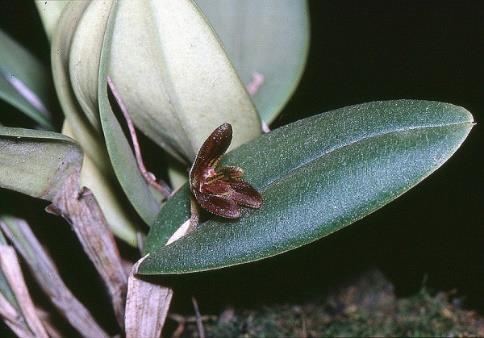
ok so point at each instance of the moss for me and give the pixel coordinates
(366, 307)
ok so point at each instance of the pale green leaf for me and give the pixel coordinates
(97, 173)
(316, 176)
(50, 11)
(170, 70)
(36, 162)
(83, 131)
(114, 207)
(84, 58)
(178, 175)
(268, 37)
(175, 77)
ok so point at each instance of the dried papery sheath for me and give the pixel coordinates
(10, 267)
(81, 210)
(147, 306)
(221, 191)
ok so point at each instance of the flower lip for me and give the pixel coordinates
(220, 190)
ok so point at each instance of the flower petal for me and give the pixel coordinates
(244, 194)
(219, 188)
(220, 206)
(213, 147)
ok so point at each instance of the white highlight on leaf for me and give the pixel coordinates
(180, 232)
(27, 94)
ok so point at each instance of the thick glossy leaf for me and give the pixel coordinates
(316, 176)
(120, 153)
(175, 77)
(252, 42)
(173, 214)
(269, 37)
(36, 162)
(178, 83)
(24, 82)
(50, 11)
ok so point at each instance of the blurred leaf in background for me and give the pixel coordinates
(24, 82)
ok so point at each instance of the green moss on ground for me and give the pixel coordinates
(366, 307)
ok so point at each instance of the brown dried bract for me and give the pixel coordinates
(221, 191)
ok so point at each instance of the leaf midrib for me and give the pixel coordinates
(329, 151)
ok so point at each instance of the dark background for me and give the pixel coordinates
(378, 50)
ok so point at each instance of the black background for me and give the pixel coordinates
(359, 52)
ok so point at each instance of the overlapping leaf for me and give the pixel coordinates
(268, 38)
(107, 192)
(97, 173)
(175, 77)
(122, 158)
(84, 132)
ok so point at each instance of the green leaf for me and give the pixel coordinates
(120, 153)
(177, 174)
(36, 162)
(24, 82)
(316, 176)
(270, 37)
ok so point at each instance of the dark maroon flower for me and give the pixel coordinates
(221, 191)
